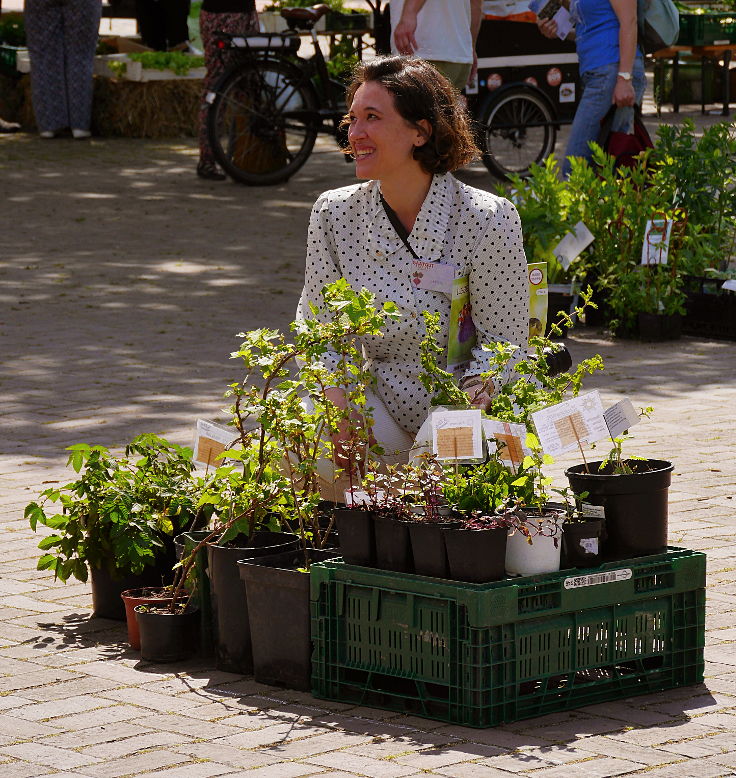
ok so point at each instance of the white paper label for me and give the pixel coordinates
(457, 435)
(729, 285)
(210, 440)
(508, 439)
(593, 511)
(589, 545)
(620, 417)
(435, 276)
(573, 244)
(564, 426)
(656, 244)
(567, 92)
(595, 579)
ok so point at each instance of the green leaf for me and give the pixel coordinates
(49, 542)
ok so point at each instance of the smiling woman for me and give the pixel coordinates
(416, 236)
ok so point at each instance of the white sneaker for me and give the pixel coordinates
(47, 134)
(79, 134)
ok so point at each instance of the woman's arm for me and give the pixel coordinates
(499, 292)
(625, 10)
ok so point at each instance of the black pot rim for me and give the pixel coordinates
(289, 536)
(658, 466)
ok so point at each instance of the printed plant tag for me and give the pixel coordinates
(564, 23)
(210, 440)
(590, 545)
(593, 511)
(434, 276)
(573, 244)
(462, 337)
(563, 426)
(538, 297)
(620, 417)
(510, 441)
(730, 285)
(656, 244)
(457, 435)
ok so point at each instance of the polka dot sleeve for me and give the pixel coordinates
(499, 294)
(322, 268)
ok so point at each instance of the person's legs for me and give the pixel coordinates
(209, 24)
(175, 13)
(44, 33)
(81, 28)
(598, 86)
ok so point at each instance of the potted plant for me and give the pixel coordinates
(145, 595)
(168, 633)
(583, 530)
(633, 492)
(118, 518)
(293, 408)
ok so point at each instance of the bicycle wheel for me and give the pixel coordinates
(262, 121)
(516, 130)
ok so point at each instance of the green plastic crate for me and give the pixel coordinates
(707, 29)
(484, 654)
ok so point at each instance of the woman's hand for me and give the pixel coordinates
(623, 93)
(548, 27)
(346, 438)
(479, 392)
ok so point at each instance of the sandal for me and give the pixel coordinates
(210, 172)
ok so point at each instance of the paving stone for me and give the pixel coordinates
(62, 707)
(591, 768)
(431, 758)
(376, 768)
(132, 745)
(185, 726)
(136, 764)
(49, 756)
(90, 736)
(608, 746)
(224, 754)
(199, 770)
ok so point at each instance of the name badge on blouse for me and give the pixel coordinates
(433, 276)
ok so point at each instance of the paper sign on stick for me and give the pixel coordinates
(457, 435)
(210, 440)
(361, 497)
(656, 244)
(729, 285)
(620, 417)
(573, 245)
(510, 440)
(563, 426)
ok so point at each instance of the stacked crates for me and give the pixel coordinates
(484, 654)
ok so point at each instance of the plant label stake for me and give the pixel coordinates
(620, 417)
(210, 440)
(562, 427)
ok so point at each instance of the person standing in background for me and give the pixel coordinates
(235, 17)
(443, 33)
(611, 69)
(62, 38)
(163, 23)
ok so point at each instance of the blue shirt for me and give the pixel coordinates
(596, 33)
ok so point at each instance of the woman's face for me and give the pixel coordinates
(381, 140)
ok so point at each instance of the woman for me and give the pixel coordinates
(62, 38)
(611, 69)
(236, 17)
(407, 131)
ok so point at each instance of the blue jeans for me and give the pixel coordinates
(598, 86)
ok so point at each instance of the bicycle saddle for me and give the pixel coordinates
(304, 18)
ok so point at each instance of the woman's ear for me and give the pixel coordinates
(424, 132)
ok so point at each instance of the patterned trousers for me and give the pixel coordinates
(209, 24)
(62, 38)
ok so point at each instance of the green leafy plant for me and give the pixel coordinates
(439, 383)
(119, 511)
(177, 61)
(614, 462)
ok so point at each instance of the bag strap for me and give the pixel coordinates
(396, 223)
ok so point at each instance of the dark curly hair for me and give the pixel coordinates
(421, 92)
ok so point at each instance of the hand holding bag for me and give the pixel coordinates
(624, 146)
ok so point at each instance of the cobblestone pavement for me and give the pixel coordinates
(123, 280)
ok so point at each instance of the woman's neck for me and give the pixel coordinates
(407, 195)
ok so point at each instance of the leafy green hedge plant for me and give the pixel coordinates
(119, 512)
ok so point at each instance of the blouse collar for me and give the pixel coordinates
(427, 236)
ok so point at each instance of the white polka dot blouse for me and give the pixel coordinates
(479, 233)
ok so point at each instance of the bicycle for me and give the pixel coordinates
(268, 107)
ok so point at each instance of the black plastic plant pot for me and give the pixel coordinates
(635, 505)
(107, 588)
(167, 636)
(357, 538)
(656, 327)
(278, 611)
(185, 543)
(582, 543)
(428, 547)
(476, 555)
(393, 545)
(230, 626)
